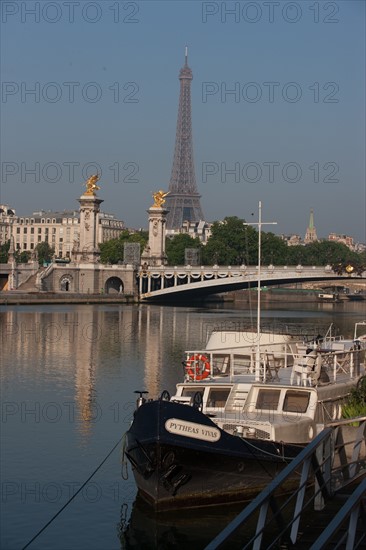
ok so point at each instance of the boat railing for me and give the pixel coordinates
(357, 336)
(324, 366)
(340, 364)
(320, 366)
(220, 363)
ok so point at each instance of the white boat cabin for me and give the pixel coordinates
(265, 398)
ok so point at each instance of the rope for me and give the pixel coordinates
(74, 495)
(266, 452)
(124, 468)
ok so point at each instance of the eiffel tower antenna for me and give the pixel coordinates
(183, 201)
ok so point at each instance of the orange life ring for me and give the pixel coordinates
(194, 371)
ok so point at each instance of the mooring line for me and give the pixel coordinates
(74, 495)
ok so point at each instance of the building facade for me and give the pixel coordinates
(201, 230)
(61, 230)
(344, 239)
(292, 240)
(7, 219)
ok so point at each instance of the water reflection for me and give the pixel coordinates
(85, 344)
(72, 371)
(186, 529)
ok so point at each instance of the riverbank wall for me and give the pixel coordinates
(277, 294)
(33, 298)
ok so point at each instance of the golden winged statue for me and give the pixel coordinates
(159, 198)
(91, 185)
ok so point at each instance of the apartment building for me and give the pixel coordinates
(59, 229)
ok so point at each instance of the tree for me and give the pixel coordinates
(231, 243)
(175, 248)
(295, 255)
(326, 253)
(112, 251)
(273, 249)
(45, 252)
(4, 250)
(22, 257)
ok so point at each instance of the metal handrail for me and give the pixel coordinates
(351, 511)
(315, 459)
(306, 458)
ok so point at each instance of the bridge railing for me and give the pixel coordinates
(224, 271)
(165, 279)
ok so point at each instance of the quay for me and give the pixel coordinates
(111, 295)
(40, 298)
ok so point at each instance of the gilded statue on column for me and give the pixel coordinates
(91, 185)
(159, 198)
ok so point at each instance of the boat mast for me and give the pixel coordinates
(257, 357)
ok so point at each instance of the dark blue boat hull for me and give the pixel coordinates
(174, 470)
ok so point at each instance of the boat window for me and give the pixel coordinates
(268, 399)
(190, 392)
(218, 397)
(296, 401)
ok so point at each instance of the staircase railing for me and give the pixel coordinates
(313, 463)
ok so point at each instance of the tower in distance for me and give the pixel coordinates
(183, 201)
(311, 236)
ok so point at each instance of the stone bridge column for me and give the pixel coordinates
(154, 254)
(88, 250)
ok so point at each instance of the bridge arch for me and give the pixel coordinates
(177, 283)
(114, 285)
(66, 283)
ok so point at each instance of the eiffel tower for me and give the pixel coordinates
(183, 201)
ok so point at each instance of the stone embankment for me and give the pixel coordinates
(16, 297)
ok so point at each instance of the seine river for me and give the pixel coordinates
(68, 374)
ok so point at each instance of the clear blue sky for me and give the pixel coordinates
(106, 81)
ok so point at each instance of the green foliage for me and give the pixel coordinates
(356, 403)
(233, 243)
(22, 257)
(111, 252)
(175, 248)
(323, 253)
(362, 258)
(45, 252)
(274, 249)
(4, 249)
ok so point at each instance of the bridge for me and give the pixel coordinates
(186, 282)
